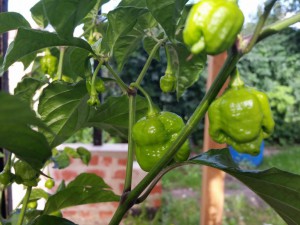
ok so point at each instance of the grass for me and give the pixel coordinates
(286, 159)
(239, 211)
(179, 209)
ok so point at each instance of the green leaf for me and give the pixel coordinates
(189, 70)
(85, 189)
(27, 88)
(133, 3)
(71, 152)
(27, 60)
(12, 21)
(112, 115)
(88, 180)
(125, 46)
(38, 193)
(118, 27)
(51, 220)
(148, 44)
(38, 15)
(167, 14)
(63, 107)
(76, 62)
(85, 155)
(17, 133)
(65, 15)
(28, 41)
(61, 160)
(280, 189)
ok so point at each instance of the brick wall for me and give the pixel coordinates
(109, 162)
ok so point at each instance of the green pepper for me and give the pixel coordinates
(99, 85)
(241, 117)
(212, 26)
(49, 63)
(167, 83)
(49, 183)
(154, 134)
(32, 205)
(6, 177)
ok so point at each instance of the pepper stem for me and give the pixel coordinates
(151, 108)
(169, 70)
(236, 80)
(60, 63)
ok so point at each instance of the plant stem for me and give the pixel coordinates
(278, 26)
(128, 178)
(95, 74)
(119, 81)
(87, 30)
(24, 205)
(169, 70)
(151, 109)
(148, 62)
(259, 26)
(156, 179)
(60, 63)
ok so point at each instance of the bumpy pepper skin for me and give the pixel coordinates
(242, 118)
(49, 64)
(154, 134)
(212, 26)
(167, 83)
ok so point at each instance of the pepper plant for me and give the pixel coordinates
(68, 88)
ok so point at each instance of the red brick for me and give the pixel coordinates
(100, 173)
(121, 187)
(94, 160)
(157, 203)
(156, 189)
(107, 161)
(105, 214)
(115, 204)
(67, 213)
(68, 174)
(120, 174)
(122, 162)
(57, 175)
(84, 213)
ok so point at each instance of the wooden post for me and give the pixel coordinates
(212, 197)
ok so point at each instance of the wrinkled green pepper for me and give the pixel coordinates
(167, 83)
(241, 117)
(154, 134)
(212, 26)
(49, 64)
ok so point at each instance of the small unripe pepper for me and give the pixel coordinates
(49, 63)
(154, 134)
(212, 26)
(168, 81)
(241, 117)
